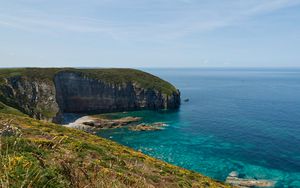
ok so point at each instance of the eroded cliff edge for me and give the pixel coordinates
(46, 93)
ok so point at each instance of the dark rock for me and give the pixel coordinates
(72, 92)
(186, 100)
(33, 97)
(77, 94)
(89, 123)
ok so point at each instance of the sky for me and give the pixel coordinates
(150, 33)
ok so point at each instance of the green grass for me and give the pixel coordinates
(9, 110)
(111, 75)
(48, 155)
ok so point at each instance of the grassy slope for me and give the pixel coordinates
(9, 110)
(112, 75)
(50, 155)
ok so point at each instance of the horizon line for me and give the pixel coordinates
(204, 67)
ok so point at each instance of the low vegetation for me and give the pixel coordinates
(40, 154)
(9, 110)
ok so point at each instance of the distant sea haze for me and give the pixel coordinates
(236, 119)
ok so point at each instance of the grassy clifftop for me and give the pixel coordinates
(39, 154)
(110, 75)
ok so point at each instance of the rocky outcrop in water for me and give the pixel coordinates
(233, 179)
(75, 91)
(148, 127)
(103, 123)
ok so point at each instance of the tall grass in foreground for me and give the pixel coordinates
(16, 168)
(22, 165)
(39, 154)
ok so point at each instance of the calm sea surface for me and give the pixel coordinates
(245, 120)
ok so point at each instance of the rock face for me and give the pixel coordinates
(76, 93)
(73, 92)
(33, 97)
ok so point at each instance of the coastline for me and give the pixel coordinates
(94, 123)
(79, 123)
(233, 178)
(67, 157)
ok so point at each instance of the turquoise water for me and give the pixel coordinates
(236, 120)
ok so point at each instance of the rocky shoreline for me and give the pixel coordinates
(234, 179)
(92, 124)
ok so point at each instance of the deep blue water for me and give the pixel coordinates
(245, 120)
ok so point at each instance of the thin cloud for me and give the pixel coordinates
(192, 19)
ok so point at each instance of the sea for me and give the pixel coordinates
(235, 119)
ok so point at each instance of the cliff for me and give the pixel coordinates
(47, 93)
(42, 154)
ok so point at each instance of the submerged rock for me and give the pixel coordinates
(148, 127)
(159, 124)
(186, 100)
(234, 180)
(233, 174)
